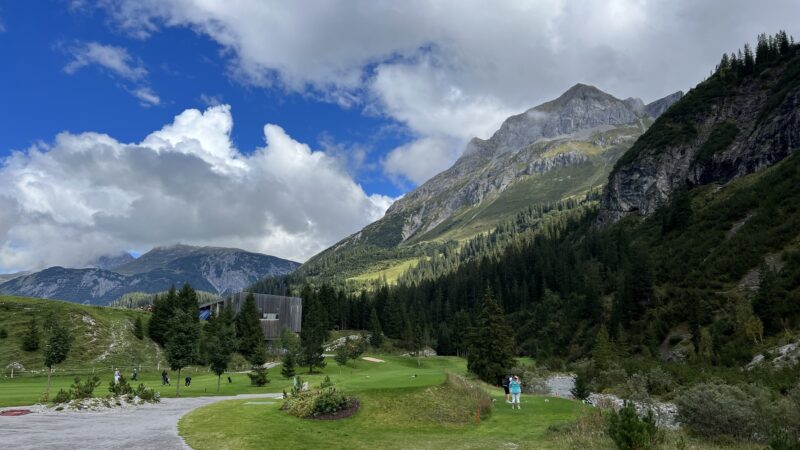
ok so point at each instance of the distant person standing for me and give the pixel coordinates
(135, 375)
(188, 381)
(164, 378)
(515, 386)
(506, 381)
(116, 376)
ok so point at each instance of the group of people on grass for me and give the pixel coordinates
(512, 386)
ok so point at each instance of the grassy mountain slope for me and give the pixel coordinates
(103, 337)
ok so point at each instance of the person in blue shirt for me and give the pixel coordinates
(515, 386)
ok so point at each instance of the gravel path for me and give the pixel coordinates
(142, 427)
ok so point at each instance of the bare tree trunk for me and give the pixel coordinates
(218, 378)
(49, 371)
(178, 384)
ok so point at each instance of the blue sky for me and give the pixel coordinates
(283, 127)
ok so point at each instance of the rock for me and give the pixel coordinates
(336, 343)
(646, 181)
(665, 414)
(561, 385)
(784, 356)
(427, 351)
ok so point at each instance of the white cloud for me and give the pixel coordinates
(147, 96)
(421, 159)
(452, 69)
(118, 63)
(88, 194)
(117, 60)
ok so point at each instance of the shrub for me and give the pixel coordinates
(62, 396)
(784, 441)
(3, 333)
(326, 383)
(715, 409)
(659, 382)
(317, 402)
(258, 376)
(147, 394)
(533, 381)
(121, 388)
(635, 388)
(630, 432)
(80, 390)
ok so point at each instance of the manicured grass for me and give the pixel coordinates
(390, 274)
(398, 410)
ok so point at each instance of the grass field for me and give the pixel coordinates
(402, 406)
(390, 274)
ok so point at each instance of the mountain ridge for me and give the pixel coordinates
(213, 269)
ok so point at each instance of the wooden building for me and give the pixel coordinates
(276, 312)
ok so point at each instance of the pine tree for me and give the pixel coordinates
(342, 354)
(182, 340)
(749, 60)
(376, 339)
(313, 336)
(443, 344)
(30, 342)
(705, 350)
(287, 365)
(491, 344)
(248, 328)
(138, 328)
(163, 309)
(57, 349)
(222, 342)
(603, 351)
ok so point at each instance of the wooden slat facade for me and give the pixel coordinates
(289, 311)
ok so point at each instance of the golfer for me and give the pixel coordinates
(506, 381)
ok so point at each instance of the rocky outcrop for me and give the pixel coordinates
(717, 132)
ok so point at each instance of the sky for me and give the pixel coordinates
(283, 127)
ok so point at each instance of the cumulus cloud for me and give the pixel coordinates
(88, 194)
(118, 63)
(449, 70)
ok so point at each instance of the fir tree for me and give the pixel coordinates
(57, 349)
(163, 309)
(376, 338)
(138, 328)
(443, 344)
(287, 365)
(313, 336)
(30, 342)
(248, 329)
(342, 354)
(182, 340)
(603, 351)
(222, 342)
(491, 344)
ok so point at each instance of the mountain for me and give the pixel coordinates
(110, 262)
(10, 276)
(730, 125)
(212, 269)
(560, 149)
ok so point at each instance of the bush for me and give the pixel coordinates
(635, 388)
(147, 394)
(3, 333)
(62, 397)
(258, 376)
(715, 409)
(630, 432)
(659, 382)
(533, 381)
(121, 388)
(317, 402)
(80, 390)
(784, 441)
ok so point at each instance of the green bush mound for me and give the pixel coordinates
(323, 402)
(631, 432)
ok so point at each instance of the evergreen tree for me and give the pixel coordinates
(182, 340)
(603, 350)
(376, 339)
(248, 328)
(313, 336)
(342, 354)
(163, 309)
(57, 349)
(138, 328)
(222, 342)
(491, 344)
(287, 365)
(460, 333)
(443, 344)
(749, 60)
(679, 213)
(705, 350)
(30, 342)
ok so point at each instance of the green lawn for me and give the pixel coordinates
(398, 410)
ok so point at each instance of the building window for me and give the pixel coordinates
(270, 316)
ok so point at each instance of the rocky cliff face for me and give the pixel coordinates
(535, 142)
(211, 269)
(719, 131)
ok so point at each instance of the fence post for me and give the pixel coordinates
(12, 371)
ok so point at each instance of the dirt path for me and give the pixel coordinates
(144, 427)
